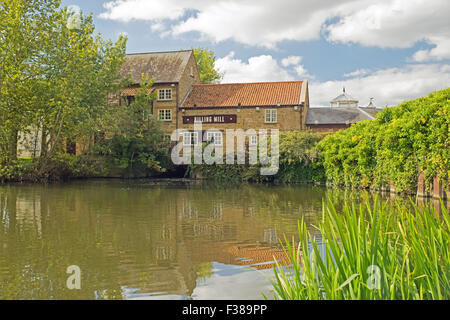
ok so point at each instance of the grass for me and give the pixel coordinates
(370, 252)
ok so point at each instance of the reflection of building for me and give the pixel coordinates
(343, 112)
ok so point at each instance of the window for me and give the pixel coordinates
(190, 138)
(165, 115)
(253, 140)
(167, 138)
(215, 137)
(129, 100)
(271, 116)
(165, 94)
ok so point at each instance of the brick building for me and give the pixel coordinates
(264, 105)
(173, 73)
(182, 100)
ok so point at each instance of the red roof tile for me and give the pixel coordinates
(132, 91)
(248, 94)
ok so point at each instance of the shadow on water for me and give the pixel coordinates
(152, 239)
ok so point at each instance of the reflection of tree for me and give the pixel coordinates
(204, 271)
(142, 235)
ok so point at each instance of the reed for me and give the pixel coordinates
(368, 252)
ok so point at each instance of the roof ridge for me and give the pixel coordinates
(153, 52)
(260, 82)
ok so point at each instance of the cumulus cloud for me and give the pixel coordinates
(439, 52)
(291, 60)
(357, 73)
(397, 24)
(380, 23)
(256, 69)
(254, 22)
(388, 87)
(261, 68)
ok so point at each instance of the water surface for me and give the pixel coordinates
(149, 239)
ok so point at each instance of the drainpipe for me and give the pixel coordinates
(178, 107)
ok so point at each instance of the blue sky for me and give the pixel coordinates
(392, 50)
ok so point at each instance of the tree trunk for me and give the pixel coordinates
(13, 139)
(44, 146)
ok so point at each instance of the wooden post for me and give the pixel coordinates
(421, 188)
(438, 190)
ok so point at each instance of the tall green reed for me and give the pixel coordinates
(369, 252)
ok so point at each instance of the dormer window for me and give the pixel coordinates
(165, 94)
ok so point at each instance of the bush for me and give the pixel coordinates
(299, 162)
(403, 140)
(61, 167)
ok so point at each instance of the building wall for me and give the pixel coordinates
(167, 126)
(179, 91)
(247, 118)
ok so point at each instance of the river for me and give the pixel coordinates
(146, 239)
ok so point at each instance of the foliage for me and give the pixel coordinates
(369, 253)
(299, 157)
(60, 167)
(206, 66)
(137, 143)
(56, 76)
(299, 162)
(403, 140)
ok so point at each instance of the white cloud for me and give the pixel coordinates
(256, 69)
(380, 23)
(397, 24)
(389, 86)
(357, 73)
(291, 61)
(253, 22)
(128, 10)
(439, 52)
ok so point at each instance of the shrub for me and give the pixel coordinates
(403, 140)
(299, 162)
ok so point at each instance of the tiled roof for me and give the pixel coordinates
(132, 91)
(164, 67)
(247, 94)
(337, 115)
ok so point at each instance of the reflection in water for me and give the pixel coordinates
(143, 239)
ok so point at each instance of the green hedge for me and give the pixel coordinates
(403, 140)
(298, 163)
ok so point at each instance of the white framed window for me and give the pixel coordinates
(190, 138)
(165, 114)
(215, 137)
(253, 140)
(165, 94)
(271, 116)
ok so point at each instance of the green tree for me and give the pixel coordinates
(23, 28)
(138, 144)
(82, 71)
(206, 66)
(56, 75)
